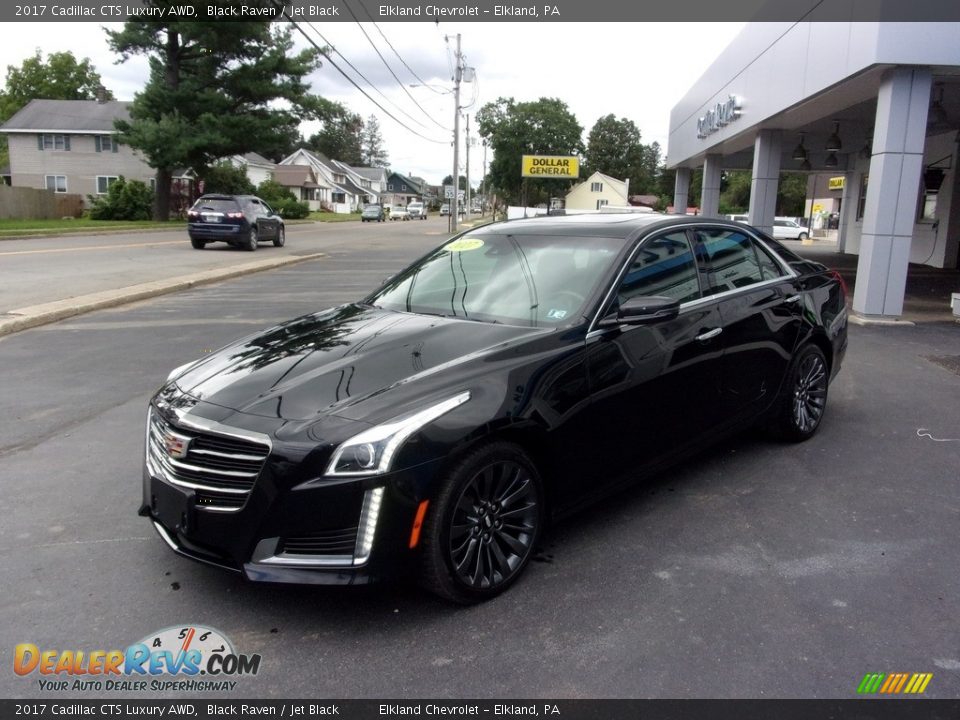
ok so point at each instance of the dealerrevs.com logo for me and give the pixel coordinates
(183, 659)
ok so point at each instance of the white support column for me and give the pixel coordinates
(892, 192)
(681, 191)
(848, 207)
(710, 189)
(766, 178)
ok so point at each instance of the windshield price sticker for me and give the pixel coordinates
(463, 244)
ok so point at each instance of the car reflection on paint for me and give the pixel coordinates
(511, 376)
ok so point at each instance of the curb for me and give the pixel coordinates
(24, 318)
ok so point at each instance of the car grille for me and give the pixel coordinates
(340, 541)
(221, 469)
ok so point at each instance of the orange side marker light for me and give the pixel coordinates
(418, 523)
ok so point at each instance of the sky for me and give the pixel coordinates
(633, 70)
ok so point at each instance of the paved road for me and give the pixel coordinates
(41, 270)
(757, 570)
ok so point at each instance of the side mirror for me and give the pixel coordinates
(643, 311)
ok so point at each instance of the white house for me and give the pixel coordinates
(596, 191)
(258, 168)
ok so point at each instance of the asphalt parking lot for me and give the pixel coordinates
(754, 570)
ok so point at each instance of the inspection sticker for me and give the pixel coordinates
(463, 244)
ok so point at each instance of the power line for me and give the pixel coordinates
(387, 65)
(362, 76)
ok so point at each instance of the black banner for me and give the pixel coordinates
(885, 709)
(487, 11)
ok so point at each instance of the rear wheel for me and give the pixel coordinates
(251, 243)
(197, 243)
(486, 521)
(802, 236)
(804, 396)
(281, 237)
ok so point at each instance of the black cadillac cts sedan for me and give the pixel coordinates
(505, 379)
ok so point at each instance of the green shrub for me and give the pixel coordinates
(290, 208)
(227, 179)
(125, 200)
(273, 192)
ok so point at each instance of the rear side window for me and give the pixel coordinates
(223, 205)
(664, 266)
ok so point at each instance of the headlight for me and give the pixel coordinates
(372, 451)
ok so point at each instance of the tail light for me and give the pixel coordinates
(192, 214)
(843, 283)
(235, 215)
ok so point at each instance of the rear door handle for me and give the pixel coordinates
(709, 334)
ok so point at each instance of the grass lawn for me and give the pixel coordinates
(20, 228)
(334, 217)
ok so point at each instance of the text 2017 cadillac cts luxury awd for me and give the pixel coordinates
(505, 379)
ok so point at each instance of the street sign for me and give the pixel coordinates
(836, 183)
(550, 167)
(448, 192)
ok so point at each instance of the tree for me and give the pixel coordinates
(60, 77)
(125, 200)
(735, 195)
(216, 89)
(340, 138)
(542, 127)
(371, 141)
(448, 180)
(614, 148)
(228, 179)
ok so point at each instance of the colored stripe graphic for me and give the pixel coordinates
(894, 683)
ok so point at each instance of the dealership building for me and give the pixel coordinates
(872, 109)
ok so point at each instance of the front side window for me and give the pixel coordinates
(57, 183)
(531, 280)
(664, 266)
(729, 259)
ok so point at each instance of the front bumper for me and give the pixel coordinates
(291, 528)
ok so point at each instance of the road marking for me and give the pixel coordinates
(92, 247)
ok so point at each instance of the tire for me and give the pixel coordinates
(281, 238)
(802, 236)
(483, 526)
(250, 244)
(803, 398)
(197, 243)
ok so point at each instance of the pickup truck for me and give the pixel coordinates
(417, 211)
(399, 213)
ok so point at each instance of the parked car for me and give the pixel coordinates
(445, 209)
(511, 376)
(739, 218)
(785, 229)
(372, 213)
(239, 220)
(476, 210)
(400, 213)
(417, 211)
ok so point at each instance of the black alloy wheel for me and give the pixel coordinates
(252, 239)
(804, 396)
(487, 519)
(281, 237)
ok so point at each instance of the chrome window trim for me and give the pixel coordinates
(789, 272)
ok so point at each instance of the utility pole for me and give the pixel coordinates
(483, 180)
(466, 196)
(458, 75)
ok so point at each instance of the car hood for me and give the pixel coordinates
(328, 361)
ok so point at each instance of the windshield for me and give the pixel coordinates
(520, 280)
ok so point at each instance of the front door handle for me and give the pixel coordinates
(791, 300)
(709, 334)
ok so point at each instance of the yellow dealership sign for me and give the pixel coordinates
(550, 166)
(835, 183)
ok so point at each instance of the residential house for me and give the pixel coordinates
(596, 191)
(360, 185)
(302, 181)
(258, 168)
(376, 175)
(331, 180)
(402, 190)
(70, 146)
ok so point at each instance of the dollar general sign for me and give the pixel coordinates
(550, 166)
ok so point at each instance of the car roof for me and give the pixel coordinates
(611, 225)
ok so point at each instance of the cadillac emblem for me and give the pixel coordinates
(176, 445)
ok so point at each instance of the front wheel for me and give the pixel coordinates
(484, 526)
(281, 237)
(802, 236)
(197, 243)
(803, 398)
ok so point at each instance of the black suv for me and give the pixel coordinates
(240, 220)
